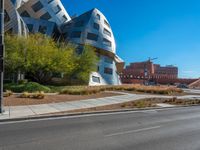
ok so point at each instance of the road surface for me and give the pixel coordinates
(169, 129)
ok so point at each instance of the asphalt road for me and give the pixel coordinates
(169, 129)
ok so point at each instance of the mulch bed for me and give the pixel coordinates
(14, 100)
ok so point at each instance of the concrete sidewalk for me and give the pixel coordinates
(13, 112)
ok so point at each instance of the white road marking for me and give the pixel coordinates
(132, 131)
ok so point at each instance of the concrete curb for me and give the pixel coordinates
(89, 113)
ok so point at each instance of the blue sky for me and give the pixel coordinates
(167, 29)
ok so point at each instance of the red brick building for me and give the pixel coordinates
(149, 73)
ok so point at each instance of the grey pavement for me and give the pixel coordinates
(164, 129)
(192, 91)
(37, 110)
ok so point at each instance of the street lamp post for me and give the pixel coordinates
(1, 53)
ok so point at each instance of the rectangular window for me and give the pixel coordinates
(46, 16)
(106, 23)
(92, 36)
(108, 60)
(1, 5)
(108, 71)
(37, 6)
(30, 27)
(96, 26)
(6, 17)
(98, 17)
(64, 18)
(49, 1)
(42, 29)
(95, 79)
(105, 31)
(57, 9)
(65, 35)
(22, 26)
(79, 23)
(25, 14)
(76, 34)
(107, 42)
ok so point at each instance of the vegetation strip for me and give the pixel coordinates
(141, 104)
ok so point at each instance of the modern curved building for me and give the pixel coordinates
(42, 26)
(50, 10)
(49, 17)
(13, 22)
(94, 29)
(17, 3)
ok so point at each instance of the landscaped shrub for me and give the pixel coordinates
(25, 95)
(29, 87)
(36, 95)
(85, 90)
(34, 87)
(22, 81)
(7, 93)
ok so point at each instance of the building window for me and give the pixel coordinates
(65, 35)
(95, 79)
(108, 71)
(22, 26)
(107, 42)
(9, 31)
(106, 23)
(64, 18)
(92, 36)
(6, 17)
(57, 9)
(30, 27)
(1, 5)
(79, 23)
(108, 60)
(49, 1)
(37, 6)
(105, 31)
(42, 29)
(46, 16)
(98, 17)
(76, 34)
(25, 14)
(96, 26)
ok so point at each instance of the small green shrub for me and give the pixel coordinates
(22, 81)
(34, 87)
(29, 87)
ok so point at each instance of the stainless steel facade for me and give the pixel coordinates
(50, 17)
(94, 29)
(51, 10)
(13, 22)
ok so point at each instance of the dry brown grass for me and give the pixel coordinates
(175, 101)
(86, 90)
(36, 95)
(15, 100)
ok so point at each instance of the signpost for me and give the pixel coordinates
(1, 52)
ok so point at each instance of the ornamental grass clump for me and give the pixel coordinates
(8, 93)
(87, 90)
(36, 95)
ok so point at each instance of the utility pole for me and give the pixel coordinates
(1, 53)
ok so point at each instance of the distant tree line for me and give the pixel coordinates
(39, 58)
